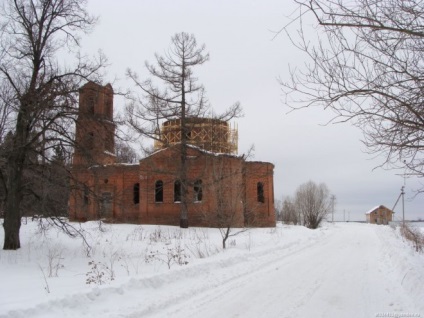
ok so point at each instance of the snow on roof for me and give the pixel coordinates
(377, 207)
(207, 152)
(113, 165)
(373, 209)
(217, 154)
(109, 153)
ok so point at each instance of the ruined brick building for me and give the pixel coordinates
(221, 185)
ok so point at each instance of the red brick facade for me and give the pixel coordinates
(95, 129)
(221, 188)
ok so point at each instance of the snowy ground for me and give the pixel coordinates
(339, 270)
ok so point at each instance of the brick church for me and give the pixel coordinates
(221, 186)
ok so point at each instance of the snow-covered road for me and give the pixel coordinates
(340, 270)
(342, 274)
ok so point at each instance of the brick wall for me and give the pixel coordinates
(229, 191)
(116, 180)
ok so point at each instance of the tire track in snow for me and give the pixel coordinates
(342, 275)
(329, 273)
(151, 295)
(255, 265)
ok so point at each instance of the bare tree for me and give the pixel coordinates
(278, 206)
(313, 203)
(227, 190)
(124, 152)
(288, 212)
(179, 96)
(38, 96)
(47, 193)
(367, 67)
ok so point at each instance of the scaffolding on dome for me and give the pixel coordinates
(210, 134)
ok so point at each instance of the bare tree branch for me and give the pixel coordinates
(179, 96)
(38, 103)
(367, 67)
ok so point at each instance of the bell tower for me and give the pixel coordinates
(95, 129)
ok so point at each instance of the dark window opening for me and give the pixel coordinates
(198, 192)
(159, 191)
(86, 195)
(136, 193)
(90, 105)
(177, 191)
(260, 192)
(90, 141)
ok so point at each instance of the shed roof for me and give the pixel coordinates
(378, 207)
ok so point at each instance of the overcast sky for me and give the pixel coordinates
(245, 62)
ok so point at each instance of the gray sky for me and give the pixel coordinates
(245, 62)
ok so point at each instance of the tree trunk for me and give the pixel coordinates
(183, 158)
(184, 188)
(15, 167)
(225, 237)
(11, 227)
(184, 223)
(12, 218)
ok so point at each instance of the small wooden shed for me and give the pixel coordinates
(379, 215)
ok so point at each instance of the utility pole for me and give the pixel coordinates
(333, 199)
(402, 192)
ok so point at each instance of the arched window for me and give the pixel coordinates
(86, 195)
(260, 192)
(90, 105)
(177, 191)
(108, 110)
(198, 192)
(136, 193)
(159, 191)
(90, 141)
